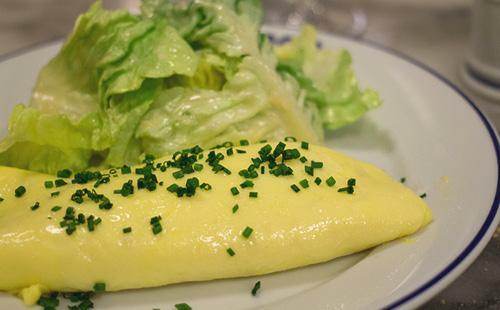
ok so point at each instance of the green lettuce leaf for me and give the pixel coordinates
(327, 78)
(95, 92)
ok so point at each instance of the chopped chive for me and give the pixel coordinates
(246, 184)
(65, 173)
(1, 199)
(304, 145)
(230, 252)
(127, 188)
(35, 206)
(423, 195)
(198, 167)
(127, 230)
(402, 180)
(290, 139)
(253, 194)
(157, 228)
(60, 182)
(178, 174)
(347, 189)
(351, 182)
(316, 164)
(54, 194)
(234, 191)
(291, 154)
(247, 232)
(173, 188)
(126, 169)
(303, 159)
(229, 151)
(235, 208)
(304, 183)
(256, 288)
(105, 205)
(317, 181)
(241, 151)
(206, 186)
(262, 169)
(48, 184)
(295, 188)
(182, 306)
(244, 142)
(48, 302)
(55, 208)
(309, 170)
(330, 181)
(99, 287)
(20, 191)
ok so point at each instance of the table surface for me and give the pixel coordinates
(433, 32)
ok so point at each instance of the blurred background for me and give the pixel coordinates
(434, 32)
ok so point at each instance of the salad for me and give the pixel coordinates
(175, 75)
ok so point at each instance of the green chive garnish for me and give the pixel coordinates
(229, 152)
(198, 167)
(235, 208)
(402, 180)
(253, 194)
(55, 208)
(234, 191)
(304, 183)
(99, 287)
(295, 188)
(304, 145)
(65, 173)
(330, 181)
(157, 229)
(126, 169)
(230, 252)
(347, 189)
(20, 191)
(244, 142)
(303, 159)
(290, 139)
(60, 182)
(127, 230)
(206, 186)
(423, 195)
(48, 184)
(241, 151)
(178, 174)
(316, 164)
(182, 306)
(1, 199)
(246, 184)
(54, 194)
(351, 182)
(247, 232)
(35, 206)
(309, 170)
(256, 288)
(317, 181)
(105, 205)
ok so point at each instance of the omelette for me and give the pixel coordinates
(233, 211)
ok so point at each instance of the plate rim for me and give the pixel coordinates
(477, 244)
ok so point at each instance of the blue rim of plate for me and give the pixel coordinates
(491, 131)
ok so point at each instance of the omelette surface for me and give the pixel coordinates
(46, 247)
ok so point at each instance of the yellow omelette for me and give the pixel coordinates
(307, 209)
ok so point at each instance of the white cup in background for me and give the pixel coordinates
(481, 71)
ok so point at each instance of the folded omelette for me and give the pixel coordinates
(234, 211)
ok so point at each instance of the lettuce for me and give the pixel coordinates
(327, 78)
(177, 74)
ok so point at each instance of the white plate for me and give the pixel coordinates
(426, 131)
